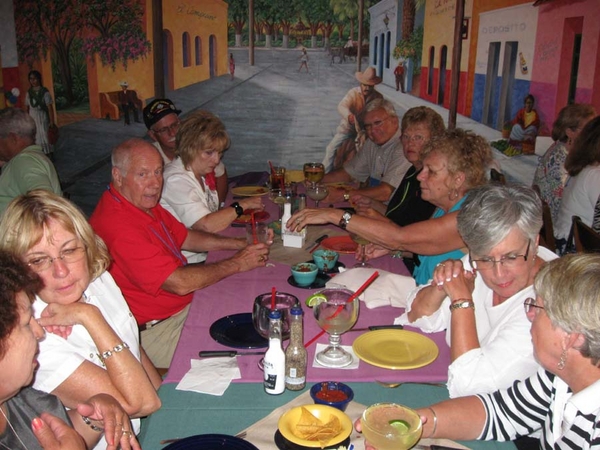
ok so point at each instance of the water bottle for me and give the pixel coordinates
(274, 361)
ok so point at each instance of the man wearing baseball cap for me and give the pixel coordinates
(162, 120)
(350, 108)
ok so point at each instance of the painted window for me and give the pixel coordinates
(198, 44)
(185, 48)
(430, 68)
(388, 39)
(376, 50)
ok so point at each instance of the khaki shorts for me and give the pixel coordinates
(160, 341)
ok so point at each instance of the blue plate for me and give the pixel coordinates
(237, 331)
(211, 442)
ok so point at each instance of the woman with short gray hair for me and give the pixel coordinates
(479, 298)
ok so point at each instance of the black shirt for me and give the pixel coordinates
(407, 206)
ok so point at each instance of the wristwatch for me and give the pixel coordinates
(238, 208)
(462, 304)
(345, 220)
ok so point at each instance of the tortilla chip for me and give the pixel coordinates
(312, 428)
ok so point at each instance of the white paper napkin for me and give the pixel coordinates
(353, 365)
(210, 376)
(388, 289)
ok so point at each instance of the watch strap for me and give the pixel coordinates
(462, 304)
(238, 208)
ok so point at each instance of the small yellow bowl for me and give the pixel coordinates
(289, 420)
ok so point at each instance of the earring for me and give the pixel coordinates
(563, 360)
(569, 141)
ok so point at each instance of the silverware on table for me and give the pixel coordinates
(377, 327)
(315, 244)
(217, 353)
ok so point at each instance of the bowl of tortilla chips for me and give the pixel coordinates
(315, 426)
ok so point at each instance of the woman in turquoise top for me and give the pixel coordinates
(453, 163)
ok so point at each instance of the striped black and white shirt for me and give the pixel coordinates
(544, 402)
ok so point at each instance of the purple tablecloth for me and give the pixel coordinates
(236, 294)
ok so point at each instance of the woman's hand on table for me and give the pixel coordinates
(373, 251)
(311, 216)
(451, 277)
(255, 203)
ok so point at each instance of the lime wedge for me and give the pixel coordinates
(315, 299)
(401, 425)
(279, 200)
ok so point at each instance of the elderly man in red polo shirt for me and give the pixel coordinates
(145, 242)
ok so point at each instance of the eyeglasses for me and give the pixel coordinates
(531, 309)
(376, 124)
(68, 256)
(170, 129)
(507, 261)
(414, 138)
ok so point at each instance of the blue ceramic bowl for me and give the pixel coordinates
(321, 391)
(325, 259)
(305, 273)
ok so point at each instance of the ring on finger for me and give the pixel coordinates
(440, 265)
(127, 433)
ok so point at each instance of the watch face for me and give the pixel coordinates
(347, 216)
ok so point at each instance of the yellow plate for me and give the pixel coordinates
(249, 191)
(288, 422)
(395, 349)
(294, 176)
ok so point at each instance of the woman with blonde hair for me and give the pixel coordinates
(189, 189)
(92, 344)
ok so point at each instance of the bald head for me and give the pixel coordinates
(137, 173)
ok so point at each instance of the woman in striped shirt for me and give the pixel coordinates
(562, 401)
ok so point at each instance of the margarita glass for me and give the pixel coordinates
(388, 426)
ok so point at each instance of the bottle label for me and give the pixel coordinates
(293, 380)
(270, 381)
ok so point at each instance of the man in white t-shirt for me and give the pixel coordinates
(162, 120)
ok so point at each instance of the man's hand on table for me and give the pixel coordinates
(310, 216)
(255, 255)
(373, 251)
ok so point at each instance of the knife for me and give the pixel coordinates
(217, 353)
(378, 327)
(315, 244)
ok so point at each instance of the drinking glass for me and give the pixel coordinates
(258, 233)
(363, 256)
(388, 426)
(335, 316)
(317, 192)
(277, 196)
(313, 172)
(278, 177)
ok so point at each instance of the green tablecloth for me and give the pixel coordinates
(187, 413)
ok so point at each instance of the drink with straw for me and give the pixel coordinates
(278, 177)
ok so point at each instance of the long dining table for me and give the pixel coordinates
(185, 413)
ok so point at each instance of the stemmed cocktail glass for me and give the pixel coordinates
(313, 173)
(363, 256)
(335, 315)
(317, 192)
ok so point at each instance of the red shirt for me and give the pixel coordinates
(145, 251)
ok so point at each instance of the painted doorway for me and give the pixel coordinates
(574, 68)
(381, 57)
(442, 78)
(491, 75)
(509, 67)
(212, 54)
(168, 61)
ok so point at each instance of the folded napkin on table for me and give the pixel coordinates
(353, 365)
(210, 376)
(388, 289)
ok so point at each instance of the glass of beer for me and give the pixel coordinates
(313, 172)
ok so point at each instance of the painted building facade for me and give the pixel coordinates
(436, 60)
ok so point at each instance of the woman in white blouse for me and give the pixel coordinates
(189, 190)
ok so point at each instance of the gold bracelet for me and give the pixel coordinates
(434, 421)
(462, 303)
(108, 353)
(89, 423)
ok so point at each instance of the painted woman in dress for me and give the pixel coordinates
(39, 101)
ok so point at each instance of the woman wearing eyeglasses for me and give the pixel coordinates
(479, 298)
(92, 344)
(562, 399)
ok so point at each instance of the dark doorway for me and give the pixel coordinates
(574, 68)
(442, 80)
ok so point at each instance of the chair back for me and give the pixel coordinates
(585, 238)
(547, 231)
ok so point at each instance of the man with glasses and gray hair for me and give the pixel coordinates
(381, 164)
(478, 300)
(162, 120)
(24, 165)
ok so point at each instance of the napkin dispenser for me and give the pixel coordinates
(291, 238)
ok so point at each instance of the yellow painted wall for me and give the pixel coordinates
(438, 30)
(201, 18)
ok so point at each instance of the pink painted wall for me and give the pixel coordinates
(558, 21)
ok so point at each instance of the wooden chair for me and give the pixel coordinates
(547, 231)
(585, 238)
(497, 177)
